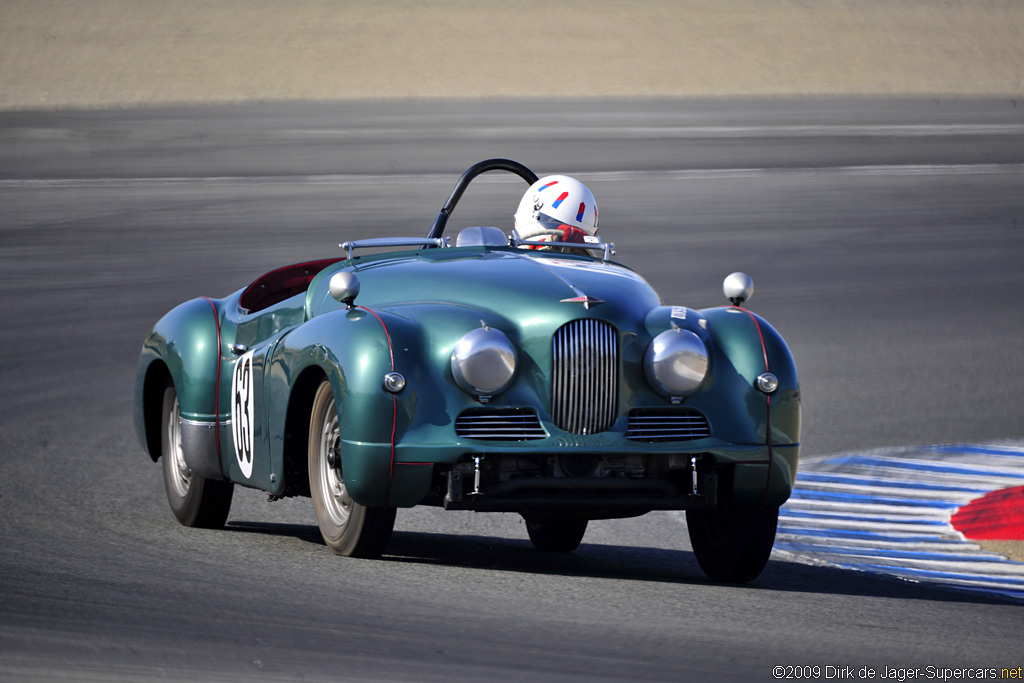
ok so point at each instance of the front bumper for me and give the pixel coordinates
(745, 474)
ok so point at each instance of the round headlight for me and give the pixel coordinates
(484, 362)
(676, 363)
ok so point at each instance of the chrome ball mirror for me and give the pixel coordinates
(344, 287)
(738, 287)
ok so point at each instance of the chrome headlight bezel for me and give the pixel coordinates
(676, 363)
(484, 363)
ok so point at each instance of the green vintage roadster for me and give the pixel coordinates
(493, 374)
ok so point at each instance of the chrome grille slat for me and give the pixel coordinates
(499, 424)
(584, 388)
(678, 425)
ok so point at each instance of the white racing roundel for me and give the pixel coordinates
(242, 412)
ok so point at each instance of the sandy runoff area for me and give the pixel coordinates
(103, 53)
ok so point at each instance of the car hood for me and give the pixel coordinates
(513, 284)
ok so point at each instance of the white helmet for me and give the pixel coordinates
(555, 201)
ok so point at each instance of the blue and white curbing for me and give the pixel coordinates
(889, 512)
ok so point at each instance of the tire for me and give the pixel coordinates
(347, 527)
(732, 544)
(556, 535)
(195, 501)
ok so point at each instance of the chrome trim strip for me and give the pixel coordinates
(607, 248)
(394, 242)
(199, 447)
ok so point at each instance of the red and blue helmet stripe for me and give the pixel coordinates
(562, 197)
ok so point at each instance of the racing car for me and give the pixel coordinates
(493, 373)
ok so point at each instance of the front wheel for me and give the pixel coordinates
(195, 501)
(556, 535)
(732, 543)
(347, 527)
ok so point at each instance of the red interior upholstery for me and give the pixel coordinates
(281, 284)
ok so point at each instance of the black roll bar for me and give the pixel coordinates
(437, 229)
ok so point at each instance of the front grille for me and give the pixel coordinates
(684, 424)
(584, 386)
(499, 424)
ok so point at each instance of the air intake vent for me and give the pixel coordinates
(584, 386)
(686, 424)
(499, 424)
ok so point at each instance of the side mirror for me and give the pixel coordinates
(738, 287)
(344, 287)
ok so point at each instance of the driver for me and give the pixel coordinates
(556, 208)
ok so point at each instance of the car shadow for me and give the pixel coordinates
(632, 563)
(302, 532)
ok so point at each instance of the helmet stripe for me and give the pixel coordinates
(544, 187)
(579, 215)
(560, 199)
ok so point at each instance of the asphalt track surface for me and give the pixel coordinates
(885, 240)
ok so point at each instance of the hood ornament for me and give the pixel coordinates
(587, 301)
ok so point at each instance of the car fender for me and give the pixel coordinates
(184, 345)
(351, 349)
(743, 345)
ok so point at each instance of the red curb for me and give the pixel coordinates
(996, 516)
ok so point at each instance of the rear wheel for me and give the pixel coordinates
(556, 535)
(732, 543)
(195, 501)
(347, 527)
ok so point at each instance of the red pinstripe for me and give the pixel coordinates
(394, 401)
(216, 391)
(768, 402)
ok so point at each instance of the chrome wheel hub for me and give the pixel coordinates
(337, 502)
(182, 474)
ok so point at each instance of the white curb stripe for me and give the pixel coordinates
(889, 512)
